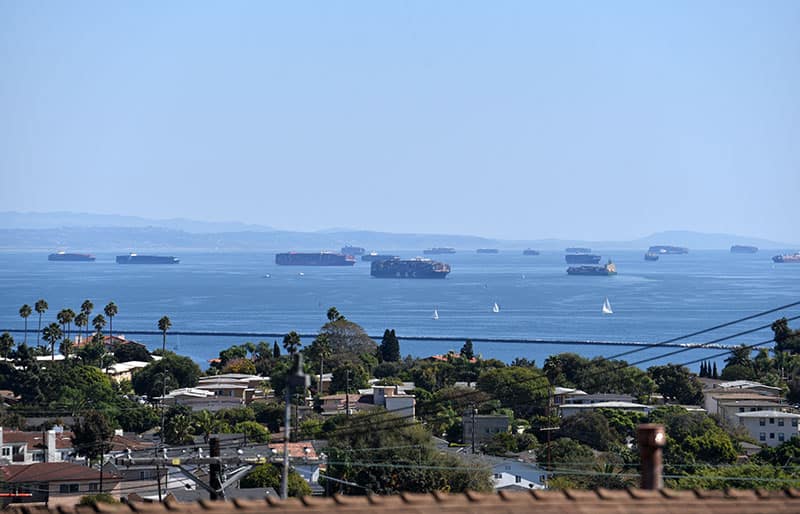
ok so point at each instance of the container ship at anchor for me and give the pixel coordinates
(70, 257)
(134, 258)
(314, 259)
(582, 258)
(787, 258)
(409, 268)
(607, 270)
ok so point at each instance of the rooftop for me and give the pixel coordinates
(767, 414)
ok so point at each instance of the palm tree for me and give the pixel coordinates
(52, 333)
(66, 348)
(81, 320)
(40, 307)
(291, 342)
(99, 322)
(24, 312)
(324, 351)
(164, 324)
(86, 308)
(65, 317)
(111, 311)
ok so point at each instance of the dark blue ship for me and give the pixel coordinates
(314, 259)
(134, 258)
(409, 268)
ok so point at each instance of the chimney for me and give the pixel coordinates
(52, 455)
(651, 439)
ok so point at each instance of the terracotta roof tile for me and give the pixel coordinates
(633, 501)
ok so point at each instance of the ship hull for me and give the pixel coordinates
(413, 268)
(601, 271)
(71, 257)
(743, 249)
(487, 250)
(438, 251)
(668, 250)
(787, 258)
(649, 256)
(530, 252)
(146, 259)
(314, 259)
(582, 258)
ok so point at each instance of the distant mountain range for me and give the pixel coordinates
(95, 233)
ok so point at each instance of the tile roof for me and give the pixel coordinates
(34, 439)
(602, 501)
(49, 472)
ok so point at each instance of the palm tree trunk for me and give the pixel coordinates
(26, 331)
(39, 330)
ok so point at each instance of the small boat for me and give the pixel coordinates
(495, 308)
(435, 314)
(607, 307)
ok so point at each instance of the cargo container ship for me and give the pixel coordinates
(409, 268)
(795, 257)
(487, 250)
(668, 250)
(577, 249)
(743, 249)
(375, 256)
(650, 256)
(70, 257)
(608, 269)
(134, 258)
(353, 250)
(438, 251)
(314, 259)
(529, 251)
(582, 258)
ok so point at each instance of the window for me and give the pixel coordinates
(762, 436)
(7, 450)
(741, 409)
(68, 488)
(771, 421)
(498, 476)
(780, 422)
(780, 436)
(518, 479)
(794, 422)
(772, 435)
(762, 421)
(94, 487)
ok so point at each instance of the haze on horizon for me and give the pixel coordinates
(517, 120)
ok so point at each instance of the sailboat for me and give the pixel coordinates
(495, 307)
(435, 313)
(607, 307)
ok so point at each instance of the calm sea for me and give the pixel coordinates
(247, 292)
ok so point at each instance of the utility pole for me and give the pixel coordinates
(347, 392)
(215, 472)
(474, 412)
(295, 379)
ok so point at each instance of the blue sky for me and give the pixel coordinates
(596, 120)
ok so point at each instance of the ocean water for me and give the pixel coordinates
(247, 292)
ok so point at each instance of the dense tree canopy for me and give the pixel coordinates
(178, 372)
(524, 390)
(677, 384)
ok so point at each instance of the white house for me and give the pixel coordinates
(770, 427)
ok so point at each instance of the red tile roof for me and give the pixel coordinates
(34, 439)
(50, 472)
(602, 501)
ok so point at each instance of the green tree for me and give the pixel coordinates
(786, 339)
(207, 424)
(81, 320)
(86, 308)
(132, 352)
(348, 340)
(525, 390)
(414, 464)
(253, 431)
(590, 428)
(24, 312)
(172, 371)
(178, 426)
(467, 351)
(390, 347)
(65, 317)
(92, 352)
(98, 322)
(65, 348)
(40, 307)
(52, 333)
(6, 345)
(92, 435)
(276, 350)
(111, 310)
(677, 383)
(269, 475)
(244, 366)
(358, 378)
(164, 324)
(291, 342)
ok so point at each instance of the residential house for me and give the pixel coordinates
(770, 427)
(729, 404)
(716, 391)
(20, 447)
(53, 483)
(585, 399)
(483, 426)
(510, 474)
(569, 409)
(124, 370)
(393, 398)
(562, 395)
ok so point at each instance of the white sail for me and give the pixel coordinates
(607, 307)
(495, 307)
(435, 313)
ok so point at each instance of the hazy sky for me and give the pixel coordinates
(597, 120)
